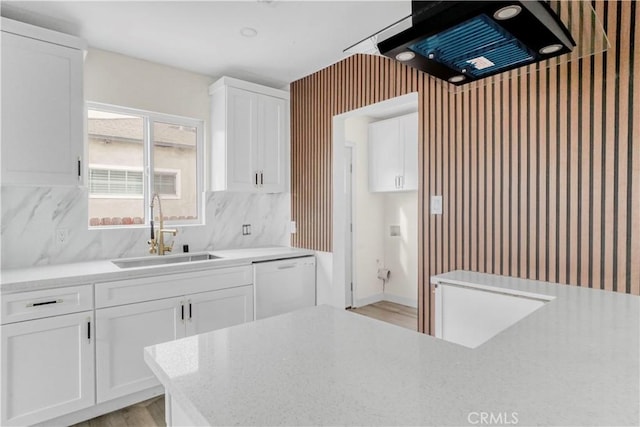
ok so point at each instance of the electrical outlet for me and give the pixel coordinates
(293, 228)
(62, 235)
(436, 205)
(246, 229)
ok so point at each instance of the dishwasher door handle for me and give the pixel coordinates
(285, 267)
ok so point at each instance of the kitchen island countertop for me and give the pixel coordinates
(574, 361)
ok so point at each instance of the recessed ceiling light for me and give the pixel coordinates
(249, 32)
(552, 48)
(456, 79)
(405, 56)
(507, 12)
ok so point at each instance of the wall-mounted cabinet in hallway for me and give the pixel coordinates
(249, 137)
(393, 154)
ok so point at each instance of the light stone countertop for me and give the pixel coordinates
(574, 361)
(61, 275)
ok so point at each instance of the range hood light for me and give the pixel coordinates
(456, 79)
(507, 12)
(550, 49)
(405, 56)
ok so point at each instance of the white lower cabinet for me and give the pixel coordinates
(209, 311)
(47, 368)
(471, 316)
(124, 331)
(121, 335)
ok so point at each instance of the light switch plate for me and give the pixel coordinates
(436, 205)
(292, 227)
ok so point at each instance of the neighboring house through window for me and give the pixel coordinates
(124, 146)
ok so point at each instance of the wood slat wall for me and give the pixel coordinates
(540, 173)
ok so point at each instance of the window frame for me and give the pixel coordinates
(149, 118)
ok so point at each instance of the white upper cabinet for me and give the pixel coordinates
(42, 106)
(249, 137)
(393, 154)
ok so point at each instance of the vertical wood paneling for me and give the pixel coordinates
(539, 172)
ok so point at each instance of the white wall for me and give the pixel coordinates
(401, 252)
(31, 215)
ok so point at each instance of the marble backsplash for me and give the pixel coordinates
(31, 216)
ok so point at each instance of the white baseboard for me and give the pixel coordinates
(409, 302)
(372, 299)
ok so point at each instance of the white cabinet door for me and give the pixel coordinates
(471, 316)
(409, 137)
(47, 368)
(121, 335)
(209, 311)
(249, 127)
(271, 143)
(42, 112)
(242, 154)
(386, 156)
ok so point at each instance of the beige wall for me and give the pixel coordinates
(122, 80)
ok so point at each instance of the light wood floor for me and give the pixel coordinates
(390, 312)
(149, 413)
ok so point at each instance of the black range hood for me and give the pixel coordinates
(464, 41)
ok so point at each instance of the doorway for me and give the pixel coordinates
(372, 227)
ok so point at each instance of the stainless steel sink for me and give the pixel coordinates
(162, 260)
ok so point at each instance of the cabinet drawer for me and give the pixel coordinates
(50, 302)
(109, 294)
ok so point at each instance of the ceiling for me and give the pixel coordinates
(294, 38)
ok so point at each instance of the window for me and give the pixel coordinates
(111, 182)
(123, 143)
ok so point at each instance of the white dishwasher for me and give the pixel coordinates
(283, 286)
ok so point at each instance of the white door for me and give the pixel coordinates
(386, 156)
(47, 368)
(121, 335)
(242, 156)
(409, 136)
(208, 311)
(271, 143)
(348, 245)
(42, 112)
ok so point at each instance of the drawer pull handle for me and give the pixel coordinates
(37, 304)
(284, 267)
